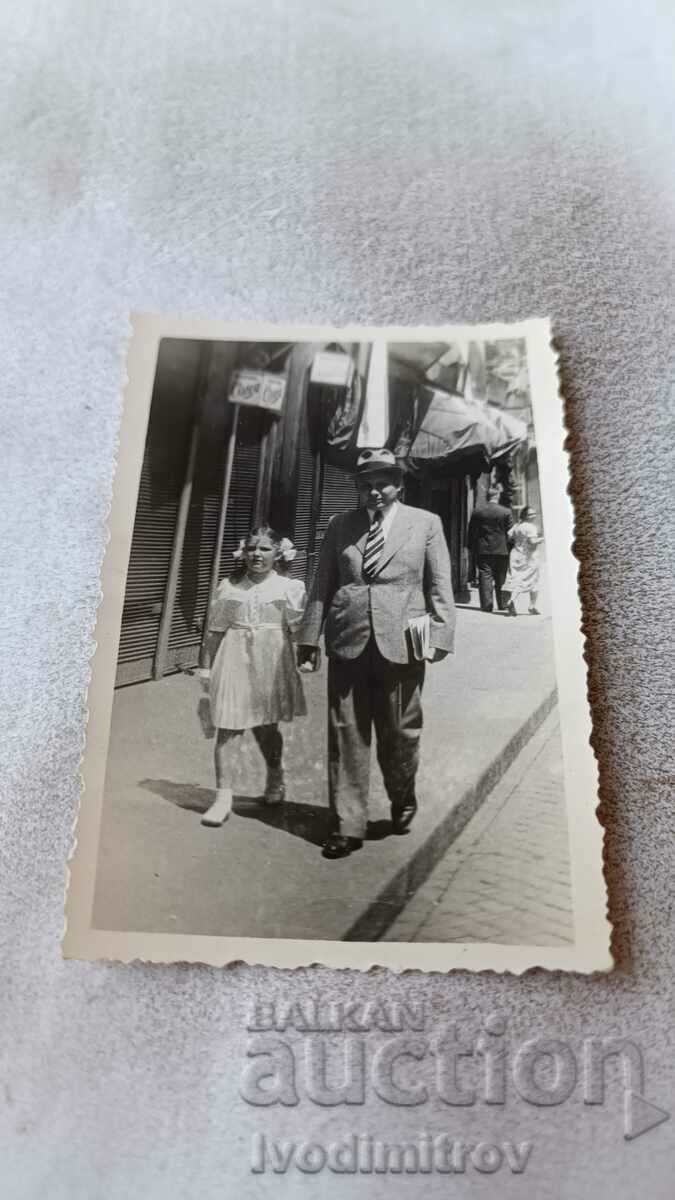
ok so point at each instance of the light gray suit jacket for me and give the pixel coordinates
(413, 577)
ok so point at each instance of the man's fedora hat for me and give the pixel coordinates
(370, 461)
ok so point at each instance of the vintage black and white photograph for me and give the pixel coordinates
(327, 703)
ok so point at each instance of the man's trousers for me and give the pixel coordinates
(366, 692)
(492, 571)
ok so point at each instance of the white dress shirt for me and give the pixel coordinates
(388, 515)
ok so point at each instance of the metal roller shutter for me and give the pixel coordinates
(160, 485)
(301, 531)
(195, 570)
(338, 494)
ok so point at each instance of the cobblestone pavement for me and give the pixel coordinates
(506, 878)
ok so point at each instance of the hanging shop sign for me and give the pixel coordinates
(258, 389)
(331, 368)
(334, 408)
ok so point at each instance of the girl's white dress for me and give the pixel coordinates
(254, 679)
(524, 563)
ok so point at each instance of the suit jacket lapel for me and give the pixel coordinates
(396, 537)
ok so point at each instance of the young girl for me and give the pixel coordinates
(254, 681)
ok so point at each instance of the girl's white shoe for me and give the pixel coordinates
(221, 808)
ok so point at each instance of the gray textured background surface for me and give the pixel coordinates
(381, 162)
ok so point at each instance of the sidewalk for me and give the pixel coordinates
(506, 879)
(262, 873)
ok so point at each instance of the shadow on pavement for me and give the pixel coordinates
(183, 795)
(377, 830)
(307, 821)
(311, 823)
(496, 612)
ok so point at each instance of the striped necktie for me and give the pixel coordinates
(374, 546)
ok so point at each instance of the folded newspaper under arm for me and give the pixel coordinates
(420, 637)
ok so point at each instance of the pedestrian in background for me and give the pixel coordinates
(488, 541)
(525, 561)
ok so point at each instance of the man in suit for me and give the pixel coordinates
(380, 566)
(487, 538)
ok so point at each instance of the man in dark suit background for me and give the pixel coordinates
(488, 540)
(380, 566)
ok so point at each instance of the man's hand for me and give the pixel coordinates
(309, 657)
(438, 655)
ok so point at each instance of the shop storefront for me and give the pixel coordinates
(217, 462)
(243, 433)
(455, 434)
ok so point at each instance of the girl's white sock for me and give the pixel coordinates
(220, 809)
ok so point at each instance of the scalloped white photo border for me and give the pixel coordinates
(590, 951)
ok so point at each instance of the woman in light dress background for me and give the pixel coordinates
(524, 561)
(254, 682)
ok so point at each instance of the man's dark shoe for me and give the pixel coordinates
(337, 846)
(402, 818)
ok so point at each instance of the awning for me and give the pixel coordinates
(509, 431)
(446, 428)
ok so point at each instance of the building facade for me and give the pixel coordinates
(186, 529)
(214, 468)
